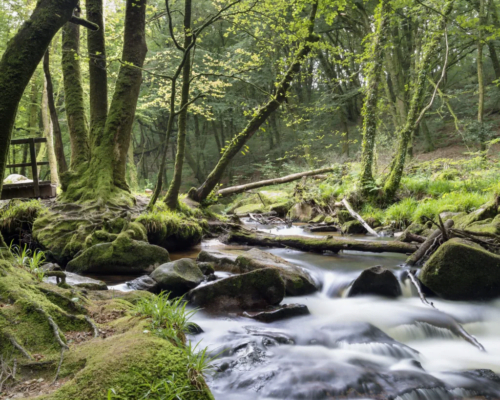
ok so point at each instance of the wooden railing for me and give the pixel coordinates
(33, 164)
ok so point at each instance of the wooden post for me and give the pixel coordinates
(34, 169)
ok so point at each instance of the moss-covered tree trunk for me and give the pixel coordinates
(405, 134)
(73, 95)
(480, 76)
(20, 59)
(62, 165)
(48, 133)
(238, 141)
(98, 78)
(171, 199)
(104, 180)
(371, 98)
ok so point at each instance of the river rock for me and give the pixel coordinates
(76, 280)
(144, 282)
(224, 260)
(122, 256)
(353, 228)
(461, 270)
(208, 268)
(253, 290)
(278, 313)
(297, 281)
(376, 281)
(178, 277)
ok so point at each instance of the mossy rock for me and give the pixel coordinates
(298, 282)
(178, 277)
(353, 228)
(461, 270)
(250, 209)
(254, 290)
(171, 230)
(281, 208)
(17, 218)
(121, 363)
(344, 216)
(302, 212)
(330, 220)
(223, 260)
(318, 219)
(274, 196)
(123, 256)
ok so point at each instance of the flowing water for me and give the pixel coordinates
(356, 348)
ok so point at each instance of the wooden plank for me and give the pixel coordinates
(34, 169)
(28, 140)
(26, 164)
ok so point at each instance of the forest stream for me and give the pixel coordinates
(365, 343)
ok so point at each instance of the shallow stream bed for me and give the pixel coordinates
(356, 348)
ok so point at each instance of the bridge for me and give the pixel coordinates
(33, 188)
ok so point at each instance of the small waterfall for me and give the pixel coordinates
(384, 349)
(436, 394)
(420, 331)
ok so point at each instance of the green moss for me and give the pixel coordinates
(171, 229)
(17, 217)
(250, 208)
(126, 363)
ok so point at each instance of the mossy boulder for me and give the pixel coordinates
(254, 290)
(222, 260)
(121, 363)
(178, 277)
(353, 228)
(344, 216)
(302, 212)
(298, 282)
(171, 230)
(250, 209)
(17, 218)
(123, 256)
(281, 208)
(461, 270)
(329, 220)
(376, 281)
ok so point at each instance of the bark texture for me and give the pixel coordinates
(19, 61)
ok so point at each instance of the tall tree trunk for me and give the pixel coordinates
(261, 116)
(33, 115)
(20, 59)
(480, 76)
(48, 134)
(370, 107)
(73, 95)
(97, 72)
(104, 180)
(491, 43)
(56, 128)
(171, 199)
(394, 178)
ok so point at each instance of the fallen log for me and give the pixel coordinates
(318, 245)
(422, 250)
(358, 217)
(254, 185)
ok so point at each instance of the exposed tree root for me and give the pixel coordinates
(54, 326)
(6, 372)
(59, 366)
(93, 325)
(19, 347)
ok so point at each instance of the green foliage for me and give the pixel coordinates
(32, 261)
(401, 214)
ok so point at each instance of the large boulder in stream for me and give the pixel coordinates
(297, 281)
(376, 281)
(254, 290)
(122, 256)
(462, 270)
(178, 277)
